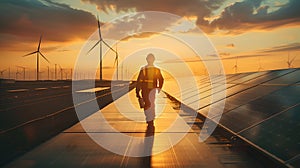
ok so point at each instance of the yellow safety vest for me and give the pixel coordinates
(150, 74)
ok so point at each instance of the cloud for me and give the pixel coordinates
(251, 14)
(24, 21)
(199, 8)
(282, 48)
(140, 35)
(230, 45)
(236, 18)
(224, 54)
(137, 25)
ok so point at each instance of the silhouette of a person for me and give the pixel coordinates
(149, 80)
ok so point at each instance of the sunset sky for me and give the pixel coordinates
(255, 34)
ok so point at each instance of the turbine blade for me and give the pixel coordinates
(39, 46)
(30, 54)
(94, 46)
(99, 28)
(44, 57)
(293, 59)
(109, 46)
(116, 59)
(117, 56)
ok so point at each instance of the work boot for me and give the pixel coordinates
(150, 123)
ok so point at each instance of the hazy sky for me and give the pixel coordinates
(262, 34)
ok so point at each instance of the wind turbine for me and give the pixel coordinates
(117, 61)
(1, 72)
(100, 41)
(235, 67)
(23, 68)
(259, 64)
(289, 62)
(17, 73)
(61, 72)
(48, 70)
(8, 72)
(55, 78)
(38, 53)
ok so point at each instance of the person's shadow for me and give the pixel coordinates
(148, 145)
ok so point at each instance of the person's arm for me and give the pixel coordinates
(160, 79)
(138, 84)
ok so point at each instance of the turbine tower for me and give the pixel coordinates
(100, 41)
(17, 73)
(235, 67)
(117, 62)
(38, 53)
(1, 73)
(259, 64)
(55, 78)
(48, 71)
(24, 69)
(289, 62)
(61, 72)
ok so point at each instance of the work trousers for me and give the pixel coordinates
(149, 97)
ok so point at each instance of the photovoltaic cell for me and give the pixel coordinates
(255, 80)
(260, 109)
(246, 96)
(205, 88)
(261, 106)
(278, 135)
(287, 79)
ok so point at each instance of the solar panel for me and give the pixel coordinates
(248, 77)
(287, 79)
(278, 135)
(255, 80)
(205, 86)
(271, 76)
(245, 97)
(261, 106)
(231, 90)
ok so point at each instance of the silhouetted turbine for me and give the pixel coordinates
(117, 62)
(61, 72)
(289, 62)
(259, 64)
(23, 68)
(38, 53)
(100, 41)
(1, 72)
(235, 67)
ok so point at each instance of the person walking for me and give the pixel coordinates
(149, 81)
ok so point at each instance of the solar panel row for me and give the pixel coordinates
(261, 107)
